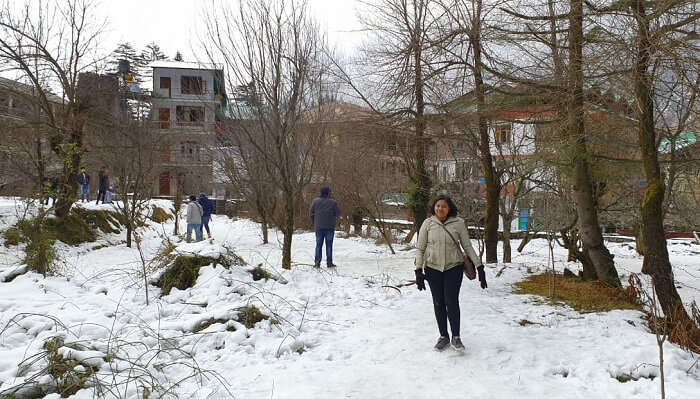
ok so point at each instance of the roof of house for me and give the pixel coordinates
(684, 140)
(185, 65)
(25, 89)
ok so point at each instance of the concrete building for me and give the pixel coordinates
(25, 148)
(188, 101)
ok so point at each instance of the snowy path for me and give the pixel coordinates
(359, 340)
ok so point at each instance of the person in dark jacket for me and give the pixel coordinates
(323, 212)
(207, 209)
(84, 182)
(102, 184)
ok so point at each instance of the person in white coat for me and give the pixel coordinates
(194, 219)
(438, 253)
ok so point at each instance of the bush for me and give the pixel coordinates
(184, 272)
(71, 229)
(18, 233)
(105, 221)
(583, 296)
(259, 273)
(12, 236)
(250, 315)
(160, 215)
(40, 253)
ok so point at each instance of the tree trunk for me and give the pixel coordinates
(421, 179)
(586, 207)
(507, 220)
(69, 188)
(288, 231)
(129, 230)
(656, 262)
(493, 187)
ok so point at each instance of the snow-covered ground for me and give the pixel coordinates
(337, 334)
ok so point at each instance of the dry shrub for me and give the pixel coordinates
(680, 330)
(250, 315)
(583, 296)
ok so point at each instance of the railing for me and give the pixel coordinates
(172, 93)
(187, 125)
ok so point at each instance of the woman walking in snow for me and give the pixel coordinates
(438, 254)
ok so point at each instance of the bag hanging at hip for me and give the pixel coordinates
(469, 269)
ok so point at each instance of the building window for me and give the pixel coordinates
(502, 133)
(189, 116)
(189, 150)
(191, 85)
(164, 82)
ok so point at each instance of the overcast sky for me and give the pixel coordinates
(173, 23)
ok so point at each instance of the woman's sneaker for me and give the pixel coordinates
(442, 343)
(457, 344)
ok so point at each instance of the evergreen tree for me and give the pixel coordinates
(149, 54)
(178, 56)
(125, 51)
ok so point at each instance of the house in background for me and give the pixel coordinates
(188, 101)
(25, 148)
(526, 135)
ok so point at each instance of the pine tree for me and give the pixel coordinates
(125, 51)
(149, 54)
(178, 56)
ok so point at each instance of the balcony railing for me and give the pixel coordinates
(187, 125)
(173, 93)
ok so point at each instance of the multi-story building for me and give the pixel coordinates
(525, 141)
(25, 149)
(188, 100)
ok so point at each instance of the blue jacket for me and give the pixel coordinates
(207, 205)
(323, 213)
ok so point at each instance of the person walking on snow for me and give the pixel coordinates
(102, 184)
(207, 208)
(84, 182)
(194, 219)
(438, 254)
(323, 212)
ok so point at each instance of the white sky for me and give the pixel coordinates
(172, 24)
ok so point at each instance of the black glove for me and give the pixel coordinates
(420, 280)
(482, 276)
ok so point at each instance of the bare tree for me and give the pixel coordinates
(48, 44)
(277, 48)
(399, 67)
(244, 168)
(659, 31)
(463, 38)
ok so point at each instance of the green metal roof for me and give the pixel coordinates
(683, 140)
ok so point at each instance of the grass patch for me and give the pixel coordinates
(72, 229)
(184, 272)
(250, 315)
(209, 322)
(259, 273)
(583, 296)
(160, 215)
(70, 376)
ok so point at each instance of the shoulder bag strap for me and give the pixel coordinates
(453, 239)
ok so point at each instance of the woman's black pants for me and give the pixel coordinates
(444, 286)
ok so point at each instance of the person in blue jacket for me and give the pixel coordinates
(208, 208)
(324, 213)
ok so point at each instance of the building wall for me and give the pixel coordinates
(186, 146)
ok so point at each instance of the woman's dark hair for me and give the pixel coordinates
(451, 204)
(193, 198)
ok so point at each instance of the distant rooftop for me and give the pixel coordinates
(25, 89)
(185, 65)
